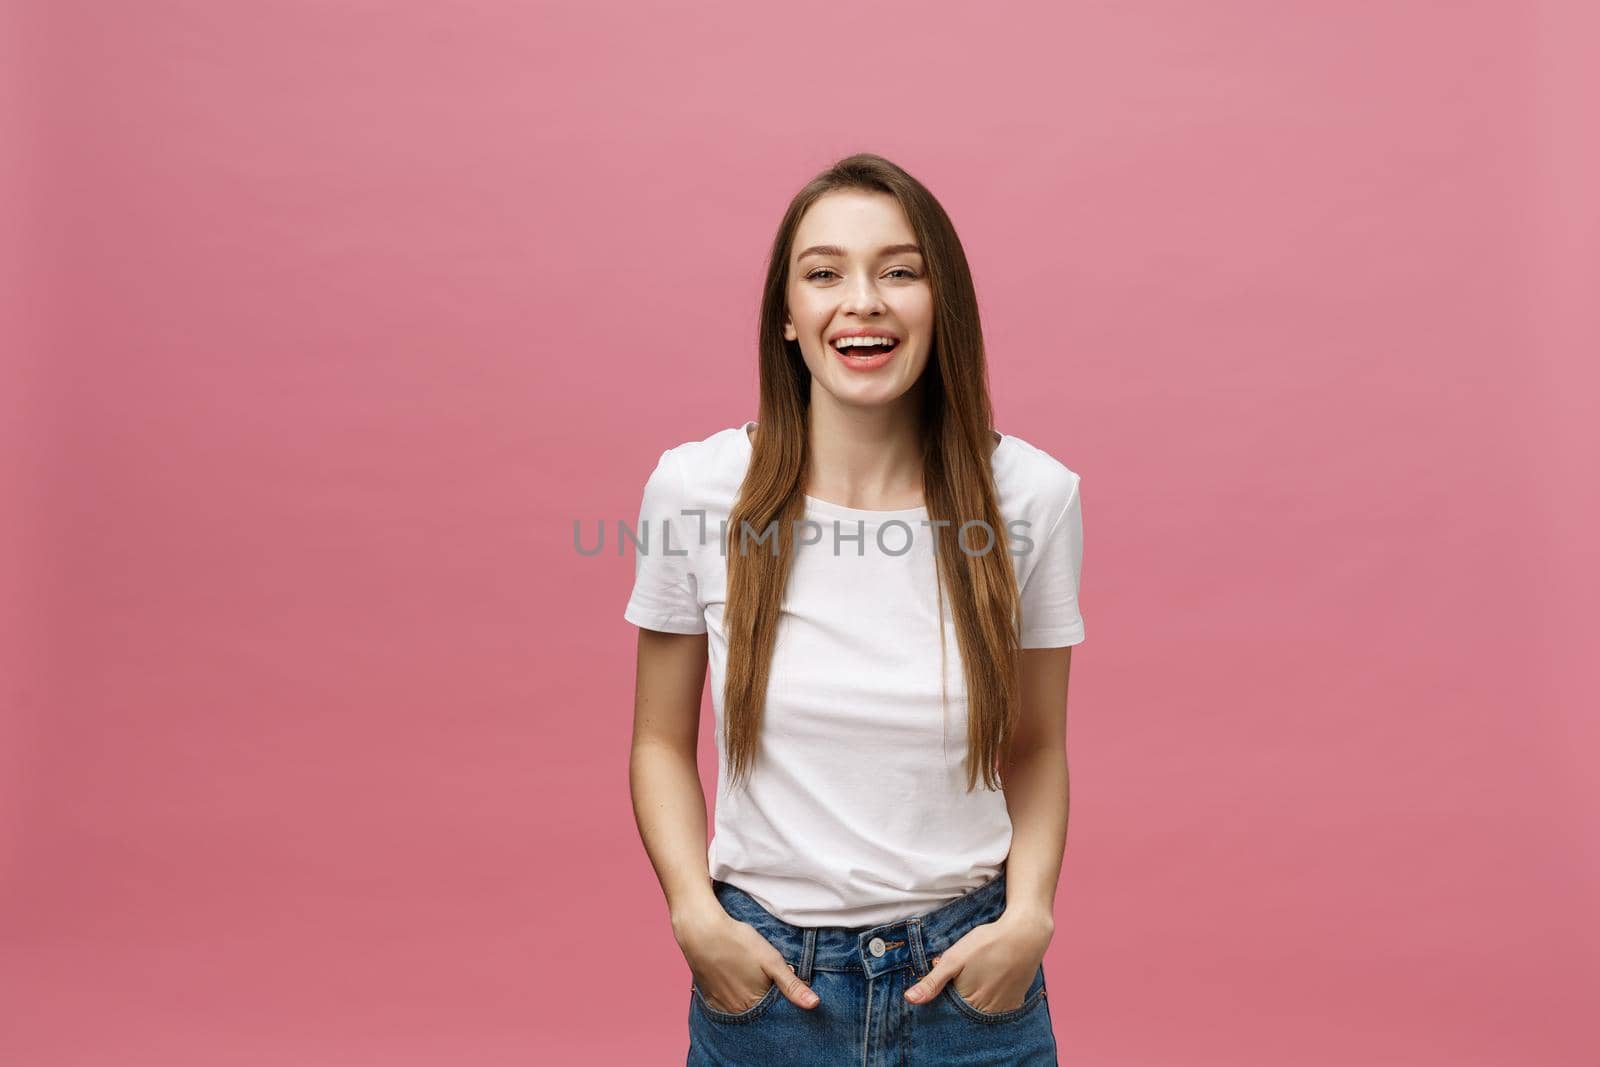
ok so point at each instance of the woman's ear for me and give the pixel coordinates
(789, 333)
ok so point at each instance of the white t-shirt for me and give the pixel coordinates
(856, 811)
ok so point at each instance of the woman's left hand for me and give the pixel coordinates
(996, 962)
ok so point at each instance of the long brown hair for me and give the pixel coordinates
(958, 485)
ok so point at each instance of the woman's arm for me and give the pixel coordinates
(732, 963)
(1037, 787)
(663, 774)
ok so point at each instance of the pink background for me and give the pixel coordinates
(325, 321)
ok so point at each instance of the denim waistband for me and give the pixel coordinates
(874, 950)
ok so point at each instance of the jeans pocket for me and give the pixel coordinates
(1030, 1001)
(752, 1012)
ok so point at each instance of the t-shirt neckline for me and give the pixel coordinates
(829, 508)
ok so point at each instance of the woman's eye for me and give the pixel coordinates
(904, 272)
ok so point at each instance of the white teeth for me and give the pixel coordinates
(848, 342)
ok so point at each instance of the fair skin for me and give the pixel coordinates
(864, 453)
(850, 269)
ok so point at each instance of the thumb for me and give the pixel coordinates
(931, 982)
(790, 985)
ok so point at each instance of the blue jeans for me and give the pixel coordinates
(863, 1020)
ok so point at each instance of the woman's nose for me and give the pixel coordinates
(863, 296)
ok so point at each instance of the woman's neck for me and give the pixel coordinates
(871, 461)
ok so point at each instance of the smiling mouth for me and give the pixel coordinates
(856, 350)
(866, 359)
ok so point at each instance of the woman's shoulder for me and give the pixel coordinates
(1030, 477)
(703, 466)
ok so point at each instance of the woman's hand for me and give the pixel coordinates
(734, 965)
(995, 961)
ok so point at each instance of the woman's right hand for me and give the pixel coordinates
(734, 966)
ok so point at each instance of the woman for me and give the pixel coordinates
(886, 592)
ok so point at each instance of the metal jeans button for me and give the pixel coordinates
(875, 946)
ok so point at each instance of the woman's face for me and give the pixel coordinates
(854, 269)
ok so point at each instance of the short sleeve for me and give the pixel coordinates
(665, 595)
(1050, 615)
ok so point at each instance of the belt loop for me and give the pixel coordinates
(919, 963)
(808, 951)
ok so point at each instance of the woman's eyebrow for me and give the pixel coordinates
(835, 250)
